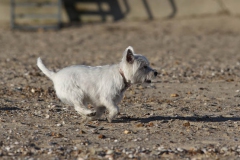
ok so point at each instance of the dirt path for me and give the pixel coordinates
(190, 111)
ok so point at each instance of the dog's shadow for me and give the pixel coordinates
(9, 108)
(167, 118)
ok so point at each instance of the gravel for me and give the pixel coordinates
(190, 111)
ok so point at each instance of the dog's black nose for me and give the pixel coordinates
(155, 73)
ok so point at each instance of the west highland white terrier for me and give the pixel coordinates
(102, 86)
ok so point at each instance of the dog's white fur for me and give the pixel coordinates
(103, 86)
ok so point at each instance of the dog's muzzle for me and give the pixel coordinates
(155, 73)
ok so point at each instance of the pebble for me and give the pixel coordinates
(16, 143)
(161, 148)
(150, 124)
(126, 132)
(139, 125)
(33, 90)
(186, 124)
(110, 157)
(51, 106)
(174, 95)
(109, 151)
(101, 136)
(59, 125)
(130, 156)
(25, 123)
(189, 92)
(82, 132)
(225, 149)
(7, 148)
(179, 149)
(204, 150)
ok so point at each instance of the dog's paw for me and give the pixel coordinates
(92, 114)
(109, 120)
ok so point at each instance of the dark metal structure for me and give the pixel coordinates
(114, 10)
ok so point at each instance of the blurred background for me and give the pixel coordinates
(47, 12)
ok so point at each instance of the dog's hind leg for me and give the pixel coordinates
(81, 108)
(87, 114)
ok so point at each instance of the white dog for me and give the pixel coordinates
(102, 86)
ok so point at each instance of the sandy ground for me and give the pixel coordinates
(191, 111)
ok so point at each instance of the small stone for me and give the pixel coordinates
(140, 87)
(126, 132)
(139, 125)
(57, 135)
(179, 149)
(7, 148)
(47, 116)
(51, 106)
(109, 151)
(94, 130)
(150, 124)
(174, 95)
(224, 149)
(82, 132)
(130, 156)
(132, 92)
(204, 150)
(230, 80)
(33, 90)
(16, 143)
(161, 148)
(59, 125)
(101, 136)
(186, 124)
(109, 157)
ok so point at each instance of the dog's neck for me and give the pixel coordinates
(126, 83)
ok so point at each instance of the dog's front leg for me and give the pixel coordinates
(113, 111)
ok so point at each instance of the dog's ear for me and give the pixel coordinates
(129, 55)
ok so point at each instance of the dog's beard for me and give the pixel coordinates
(140, 78)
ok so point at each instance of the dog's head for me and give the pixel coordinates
(136, 67)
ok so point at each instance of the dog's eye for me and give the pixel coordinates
(145, 67)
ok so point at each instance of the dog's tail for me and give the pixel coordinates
(47, 72)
